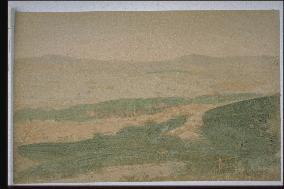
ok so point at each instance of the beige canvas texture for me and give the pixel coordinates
(146, 96)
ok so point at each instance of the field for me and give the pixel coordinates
(192, 118)
(233, 144)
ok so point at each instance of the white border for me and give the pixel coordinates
(165, 183)
(79, 6)
(11, 18)
(76, 6)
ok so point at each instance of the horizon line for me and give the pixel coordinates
(170, 59)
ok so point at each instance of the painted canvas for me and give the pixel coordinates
(146, 96)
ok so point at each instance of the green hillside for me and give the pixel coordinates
(241, 140)
(245, 135)
(120, 108)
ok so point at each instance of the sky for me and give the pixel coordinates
(147, 36)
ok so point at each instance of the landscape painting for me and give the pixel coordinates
(146, 96)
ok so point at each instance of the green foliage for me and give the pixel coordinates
(241, 131)
(217, 99)
(120, 108)
(241, 140)
(131, 145)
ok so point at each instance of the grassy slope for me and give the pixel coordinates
(132, 145)
(245, 136)
(241, 142)
(120, 108)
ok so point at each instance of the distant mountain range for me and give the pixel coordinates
(77, 80)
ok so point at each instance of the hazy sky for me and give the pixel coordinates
(144, 36)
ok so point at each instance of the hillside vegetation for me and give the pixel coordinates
(121, 108)
(241, 141)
